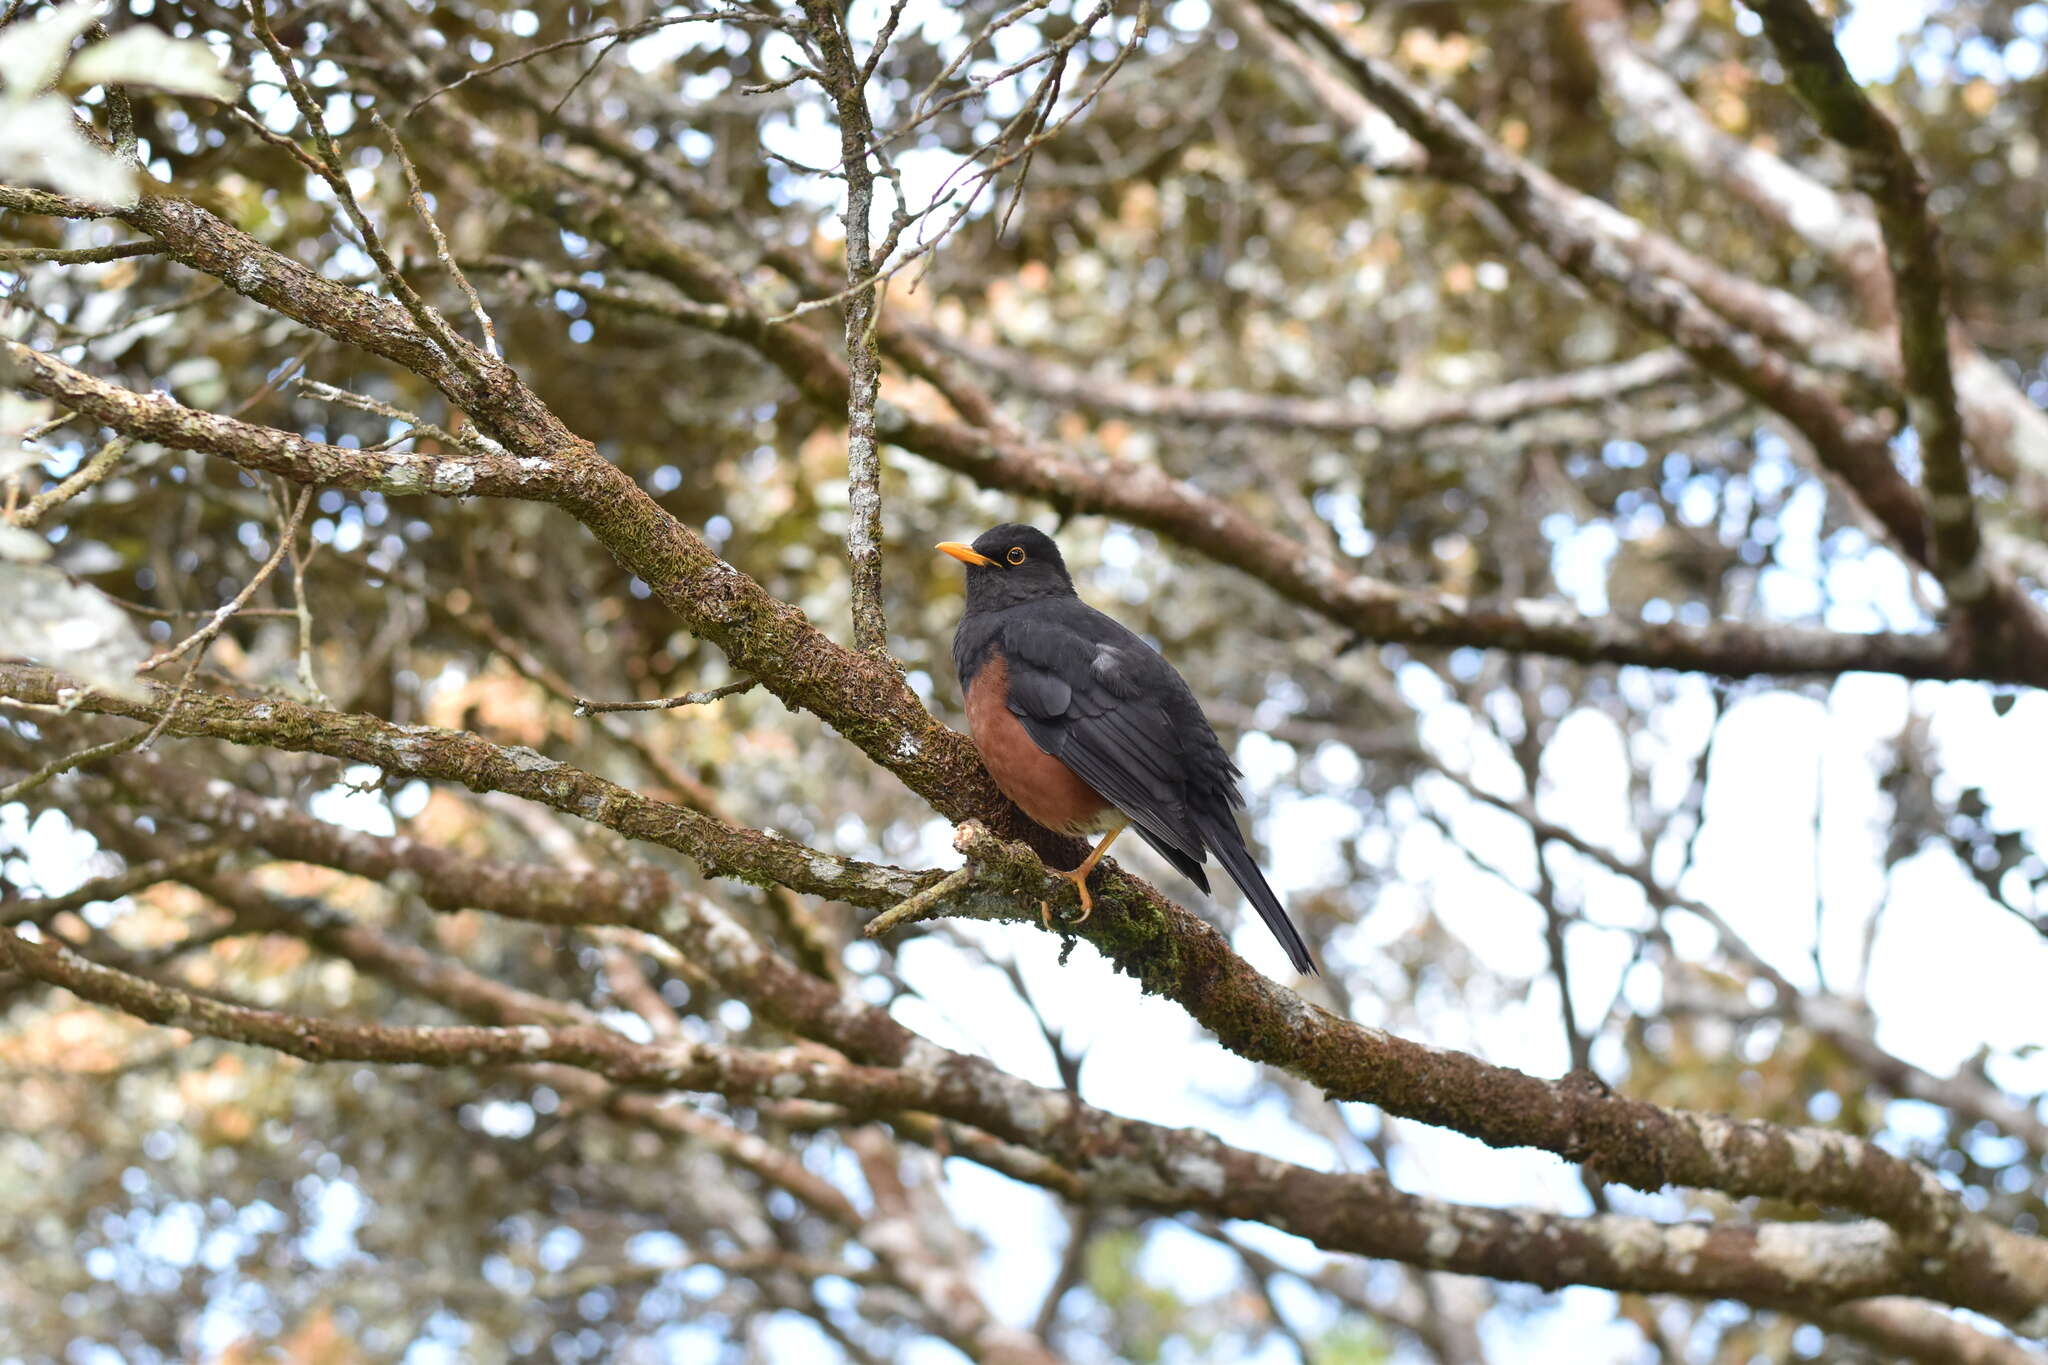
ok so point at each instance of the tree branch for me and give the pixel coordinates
(1142, 494)
(458, 756)
(1397, 416)
(1176, 1169)
(1557, 220)
(1826, 1015)
(1887, 171)
(963, 1321)
(550, 464)
(844, 78)
(1624, 1140)
(1838, 228)
(2007, 432)
(1920, 1333)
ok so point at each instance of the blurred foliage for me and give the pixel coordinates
(1351, 1343)
(1143, 1314)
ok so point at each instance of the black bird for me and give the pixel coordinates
(1087, 728)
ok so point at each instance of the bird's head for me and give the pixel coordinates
(1011, 564)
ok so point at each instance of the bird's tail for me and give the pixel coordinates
(1220, 833)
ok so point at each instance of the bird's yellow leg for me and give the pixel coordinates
(1079, 876)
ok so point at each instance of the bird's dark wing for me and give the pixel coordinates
(1099, 704)
(1220, 832)
(1104, 702)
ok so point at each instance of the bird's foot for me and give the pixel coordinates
(1087, 901)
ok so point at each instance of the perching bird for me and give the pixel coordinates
(1087, 728)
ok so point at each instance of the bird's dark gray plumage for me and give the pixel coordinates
(1105, 703)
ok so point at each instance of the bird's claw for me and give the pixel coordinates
(1079, 917)
(1087, 904)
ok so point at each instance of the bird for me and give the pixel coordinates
(1088, 728)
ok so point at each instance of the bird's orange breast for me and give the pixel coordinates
(1042, 786)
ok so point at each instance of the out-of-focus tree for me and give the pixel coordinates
(1589, 458)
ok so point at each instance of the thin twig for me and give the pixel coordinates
(638, 30)
(426, 216)
(84, 255)
(916, 907)
(801, 73)
(1048, 95)
(136, 878)
(177, 700)
(58, 767)
(925, 104)
(363, 403)
(222, 614)
(42, 429)
(985, 175)
(284, 374)
(93, 471)
(174, 613)
(68, 762)
(201, 639)
(585, 74)
(329, 167)
(300, 612)
(200, 293)
(710, 316)
(586, 707)
(288, 145)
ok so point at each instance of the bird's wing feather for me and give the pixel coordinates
(1220, 832)
(1105, 703)
(1191, 868)
(1082, 699)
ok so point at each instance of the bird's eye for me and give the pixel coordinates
(1016, 555)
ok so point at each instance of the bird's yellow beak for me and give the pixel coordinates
(965, 554)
